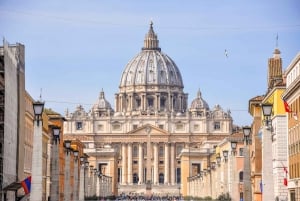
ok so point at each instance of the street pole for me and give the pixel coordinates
(54, 188)
(36, 193)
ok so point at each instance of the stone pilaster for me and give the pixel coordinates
(141, 161)
(129, 171)
(167, 164)
(155, 161)
(172, 157)
(124, 172)
(267, 166)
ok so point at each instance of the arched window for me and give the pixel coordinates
(135, 151)
(135, 178)
(161, 178)
(241, 176)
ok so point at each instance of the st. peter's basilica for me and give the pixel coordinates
(152, 140)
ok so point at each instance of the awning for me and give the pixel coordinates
(12, 187)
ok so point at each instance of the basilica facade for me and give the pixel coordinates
(153, 140)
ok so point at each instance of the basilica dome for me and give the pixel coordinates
(199, 102)
(151, 66)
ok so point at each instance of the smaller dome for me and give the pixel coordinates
(199, 103)
(102, 103)
(102, 106)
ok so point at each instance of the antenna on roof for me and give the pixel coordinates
(277, 40)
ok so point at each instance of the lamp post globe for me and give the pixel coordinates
(267, 109)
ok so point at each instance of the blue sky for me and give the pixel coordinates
(76, 48)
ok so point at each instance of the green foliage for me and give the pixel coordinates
(224, 197)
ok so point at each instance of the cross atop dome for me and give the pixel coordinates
(151, 42)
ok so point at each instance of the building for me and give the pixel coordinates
(223, 174)
(12, 121)
(255, 111)
(151, 142)
(291, 95)
(269, 147)
(276, 87)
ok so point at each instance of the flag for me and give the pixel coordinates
(285, 181)
(286, 106)
(26, 184)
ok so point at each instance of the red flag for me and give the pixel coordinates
(285, 181)
(286, 106)
(26, 184)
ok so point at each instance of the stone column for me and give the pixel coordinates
(247, 175)
(54, 188)
(141, 161)
(121, 102)
(97, 185)
(75, 193)
(129, 171)
(124, 179)
(37, 163)
(155, 161)
(86, 180)
(81, 183)
(267, 165)
(167, 168)
(172, 156)
(149, 156)
(143, 102)
(67, 177)
(117, 102)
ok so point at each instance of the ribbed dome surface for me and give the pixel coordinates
(199, 102)
(151, 66)
(102, 103)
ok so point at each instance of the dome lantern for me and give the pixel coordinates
(151, 42)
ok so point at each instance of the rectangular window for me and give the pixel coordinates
(241, 152)
(78, 125)
(116, 127)
(161, 126)
(217, 125)
(134, 127)
(178, 176)
(179, 127)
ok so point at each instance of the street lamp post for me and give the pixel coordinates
(86, 181)
(267, 163)
(54, 188)
(225, 170)
(37, 154)
(247, 171)
(233, 187)
(76, 184)
(68, 151)
(82, 178)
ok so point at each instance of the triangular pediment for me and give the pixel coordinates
(148, 129)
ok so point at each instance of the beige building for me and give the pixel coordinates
(12, 112)
(292, 96)
(152, 141)
(222, 175)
